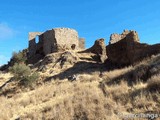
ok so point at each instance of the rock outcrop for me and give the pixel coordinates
(128, 50)
(57, 60)
(99, 48)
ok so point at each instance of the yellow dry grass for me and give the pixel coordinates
(88, 98)
(4, 77)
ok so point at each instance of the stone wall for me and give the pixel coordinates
(99, 48)
(81, 43)
(54, 40)
(65, 38)
(129, 50)
(32, 42)
(49, 45)
(32, 35)
(126, 33)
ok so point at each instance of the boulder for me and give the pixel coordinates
(67, 58)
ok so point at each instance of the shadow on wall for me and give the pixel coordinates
(35, 47)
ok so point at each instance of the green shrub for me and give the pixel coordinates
(19, 57)
(20, 71)
(28, 81)
(23, 74)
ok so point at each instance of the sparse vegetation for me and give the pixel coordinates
(23, 74)
(101, 95)
(30, 80)
(19, 57)
(20, 71)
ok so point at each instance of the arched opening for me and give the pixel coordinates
(37, 39)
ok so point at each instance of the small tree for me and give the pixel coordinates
(23, 74)
(20, 71)
(19, 57)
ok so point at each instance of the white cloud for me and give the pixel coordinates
(5, 31)
(3, 59)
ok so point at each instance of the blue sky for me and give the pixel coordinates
(92, 19)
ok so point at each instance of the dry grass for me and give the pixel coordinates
(58, 100)
(88, 98)
(4, 77)
(154, 84)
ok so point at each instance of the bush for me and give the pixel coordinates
(20, 71)
(29, 80)
(19, 57)
(23, 74)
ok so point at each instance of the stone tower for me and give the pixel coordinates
(54, 40)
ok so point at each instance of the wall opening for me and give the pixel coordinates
(37, 39)
(73, 46)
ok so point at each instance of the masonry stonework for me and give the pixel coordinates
(81, 43)
(54, 40)
(126, 49)
(32, 42)
(126, 34)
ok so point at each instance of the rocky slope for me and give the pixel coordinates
(103, 82)
(96, 92)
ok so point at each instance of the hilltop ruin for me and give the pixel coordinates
(54, 40)
(128, 34)
(126, 49)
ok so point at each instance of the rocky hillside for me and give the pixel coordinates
(111, 82)
(85, 90)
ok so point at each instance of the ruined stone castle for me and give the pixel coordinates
(123, 49)
(54, 40)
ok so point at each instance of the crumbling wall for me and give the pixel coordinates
(129, 50)
(32, 42)
(128, 34)
(59, 39)
(49, 42)
(81, 43)
(99, 48)
(54, 40)
(65, 38)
